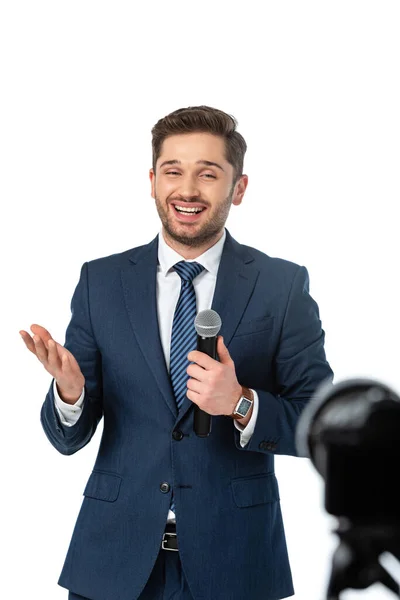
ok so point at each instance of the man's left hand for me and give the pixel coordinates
(213, 385)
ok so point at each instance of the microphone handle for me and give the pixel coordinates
(202, 420)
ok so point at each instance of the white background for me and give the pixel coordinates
(315, 88)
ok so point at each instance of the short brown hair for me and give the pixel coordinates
(202, 119)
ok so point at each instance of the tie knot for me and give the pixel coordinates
(188, 270)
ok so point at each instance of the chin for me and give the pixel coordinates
(191, 236)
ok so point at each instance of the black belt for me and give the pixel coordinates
(169, 540)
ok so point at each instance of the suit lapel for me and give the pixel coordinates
(139, 279)
(235, 282)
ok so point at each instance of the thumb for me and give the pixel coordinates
(223, 351)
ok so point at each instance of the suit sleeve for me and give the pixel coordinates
(300, 366)
(80, 341)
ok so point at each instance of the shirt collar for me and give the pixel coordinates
(210, 259)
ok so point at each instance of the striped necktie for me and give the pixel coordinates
(184, 336)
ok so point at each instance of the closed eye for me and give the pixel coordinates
(205, 174)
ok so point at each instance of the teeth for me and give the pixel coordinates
(188, 210)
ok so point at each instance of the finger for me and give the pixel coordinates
(28, 341)
(194, 386)
(201, 359)
(41, 351)
(196, 372)
(220, 342)
(64, 359)
(65, 362)
(223, 351)
(194, 397)
(53, 356)
(42, 332)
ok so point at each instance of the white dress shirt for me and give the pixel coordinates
(168, 290)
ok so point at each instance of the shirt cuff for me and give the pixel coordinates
(247, 432)
(68, 413)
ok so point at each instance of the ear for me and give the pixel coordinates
(241, 186)
(153, 183)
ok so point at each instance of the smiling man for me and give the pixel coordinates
(167, 514)
(194, 195)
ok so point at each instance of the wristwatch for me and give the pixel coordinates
(244, 404)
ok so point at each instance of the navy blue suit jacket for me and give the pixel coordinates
(229, 524)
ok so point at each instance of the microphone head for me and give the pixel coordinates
(207, 323)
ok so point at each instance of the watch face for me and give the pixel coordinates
(243, 407)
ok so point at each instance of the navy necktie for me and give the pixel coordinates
(184, 336)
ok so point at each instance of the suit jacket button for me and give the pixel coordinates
(177, 435)
(165, 487)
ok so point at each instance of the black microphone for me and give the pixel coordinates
(207, 324)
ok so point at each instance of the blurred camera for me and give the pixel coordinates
(351, 433)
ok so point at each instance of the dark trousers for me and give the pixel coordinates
(166, 582)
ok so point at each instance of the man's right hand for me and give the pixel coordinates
(58, 361)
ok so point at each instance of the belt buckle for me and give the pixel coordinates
(164, 540)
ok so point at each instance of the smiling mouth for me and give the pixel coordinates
(188, 213)
(188, 208)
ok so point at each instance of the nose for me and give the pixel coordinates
(188, 187)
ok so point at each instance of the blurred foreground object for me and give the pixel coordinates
(351, 433)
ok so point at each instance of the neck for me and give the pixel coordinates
(191, 252)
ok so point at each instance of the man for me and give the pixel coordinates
(166, 513)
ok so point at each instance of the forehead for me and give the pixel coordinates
(191, 147)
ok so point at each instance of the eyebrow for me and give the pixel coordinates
(207, 163)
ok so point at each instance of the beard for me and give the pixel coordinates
(196, 236)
